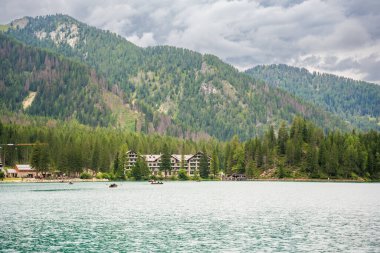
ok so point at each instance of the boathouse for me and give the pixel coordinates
(24, 170)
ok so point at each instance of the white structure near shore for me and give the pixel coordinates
(191, 162)
(22, 171)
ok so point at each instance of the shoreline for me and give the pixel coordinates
(312, 180)
(78, 180)
(74, 180)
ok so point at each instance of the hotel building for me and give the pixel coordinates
(191, 162)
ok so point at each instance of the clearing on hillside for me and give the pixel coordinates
(29, 100)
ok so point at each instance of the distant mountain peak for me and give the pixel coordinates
(64, 33)
(20, 23)
(355, 101)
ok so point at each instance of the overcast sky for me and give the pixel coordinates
(337, 36)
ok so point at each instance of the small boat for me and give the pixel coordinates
(71, 182)
(113, 185)
(156, 182)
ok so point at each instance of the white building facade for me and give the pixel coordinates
(191, 162)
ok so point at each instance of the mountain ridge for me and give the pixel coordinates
(353, 100)
(177, 91)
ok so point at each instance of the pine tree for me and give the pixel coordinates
(165, 160)
(141, 169)
(96, 157)
(215, 163)
(116, 164)
(122, 159)
(283, 137)
(183, 157)
(271, 137)
(40, 159)
(227, 158)
(376, 173)
(259, 154)
(238, 160)
(63, 160)
(332, 164)
(312, 161)
(250, 168)
(36, 157)
(44, 160)
(75, 160)
(204, 169)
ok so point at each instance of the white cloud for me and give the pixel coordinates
(147, 39)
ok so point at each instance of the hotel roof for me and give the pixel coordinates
(151, 158)
(178, 157)
(11, 171)
(24, 167)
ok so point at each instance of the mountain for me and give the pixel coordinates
(169, 90)
(43, 83)
(355, 101)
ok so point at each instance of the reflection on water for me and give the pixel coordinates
(190, 217)
(56, 190)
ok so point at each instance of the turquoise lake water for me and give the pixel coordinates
(190, 217)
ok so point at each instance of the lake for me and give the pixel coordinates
(190, 217)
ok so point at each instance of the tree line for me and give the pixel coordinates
(299, 150)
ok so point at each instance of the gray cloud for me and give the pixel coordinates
(336, 36)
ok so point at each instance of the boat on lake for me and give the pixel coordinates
(156, 182)
(113, 185)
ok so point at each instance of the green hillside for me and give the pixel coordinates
(179, 92)
(355, 101)
(41, 83)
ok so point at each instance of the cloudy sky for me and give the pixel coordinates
(337, 36)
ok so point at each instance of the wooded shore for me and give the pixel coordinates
(29, 180)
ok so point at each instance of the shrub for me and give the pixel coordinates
(2, 175)
(282, 172)
(85, 175)
(182, 175)
(99, 175)
(109, 176)
(354, 176)
(128, 175)
(196, 176)
(145, 178)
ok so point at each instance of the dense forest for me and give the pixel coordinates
(300, 150)
(355, 101)
(178, 91)
(63, 89)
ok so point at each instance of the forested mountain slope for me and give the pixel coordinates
(356, 101)
(42, 83)
(180, 92)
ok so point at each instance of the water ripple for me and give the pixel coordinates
(190, 217)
